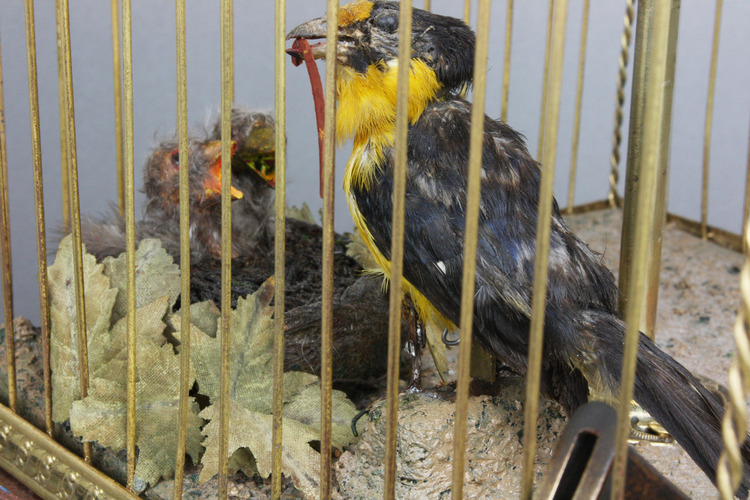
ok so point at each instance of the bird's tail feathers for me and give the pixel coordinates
(670, 394)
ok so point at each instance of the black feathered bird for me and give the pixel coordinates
(584, 336)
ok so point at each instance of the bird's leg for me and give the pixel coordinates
(414, 345)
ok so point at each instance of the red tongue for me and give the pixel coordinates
(302, 47)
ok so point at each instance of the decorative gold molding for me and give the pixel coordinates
(47, 468)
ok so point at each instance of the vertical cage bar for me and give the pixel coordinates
(279, 248)
(470, 247)
(541, 264)
(709, 120)
(329, 156)
(7, 268)
(397, 244)
(117, 85)
(227, 92)
(467, 11)
(184, 156)
(579, 98)
(641, 66)
(545, 78)
(75, 211)
(506, 60)
(657, 41)
(65, 180)
(427, 4)
(746, 209)
(622, 77)
(734, 425)
(127, 56)
(40, 224)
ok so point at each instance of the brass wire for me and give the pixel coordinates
(506, 60)
(184, 156)
(397, 245)
(709, 120)
(579, 99)
(545, 78)
(5, 254)
(329, 171)
(470, 248)
(279, 247)
(622, 78)
(75, 210)
(746, 209)
(734, 425)
(467, 11)
(656, 102)
(127, 56)
(427, 4)
(541, 260)
(40, 225)
(227, 95)
(65, 180)
(117, 86)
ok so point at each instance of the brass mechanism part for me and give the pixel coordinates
(544, 218)
(734, 425)
(470, 248)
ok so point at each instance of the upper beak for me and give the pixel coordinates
(311, 30)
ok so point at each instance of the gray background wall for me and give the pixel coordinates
(155, 108)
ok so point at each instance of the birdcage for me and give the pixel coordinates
(101, 80)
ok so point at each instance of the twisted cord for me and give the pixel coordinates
(734, 425)
(614, 174)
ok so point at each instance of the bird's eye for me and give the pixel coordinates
(387, 22)
(175, 158)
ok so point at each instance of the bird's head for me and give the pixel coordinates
(368, 36)
(162, 175)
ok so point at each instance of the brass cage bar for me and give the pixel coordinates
(184, 156)
(75, 210)
(329, 171)
(657, 21)
(541, 260)
(5, 250)
(227, 94)
(579, 98)
(470, 248)
(746, 207)
(506, 60)
(65, 181)
(709, 119)
(545, 77)
(279, 248)
(117, 88)
(397, 244)
(127, 56)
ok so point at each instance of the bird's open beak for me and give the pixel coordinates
(212, 181)
(314, 29)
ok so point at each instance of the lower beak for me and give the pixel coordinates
(212, 180)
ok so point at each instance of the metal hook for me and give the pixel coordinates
(449, 342)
